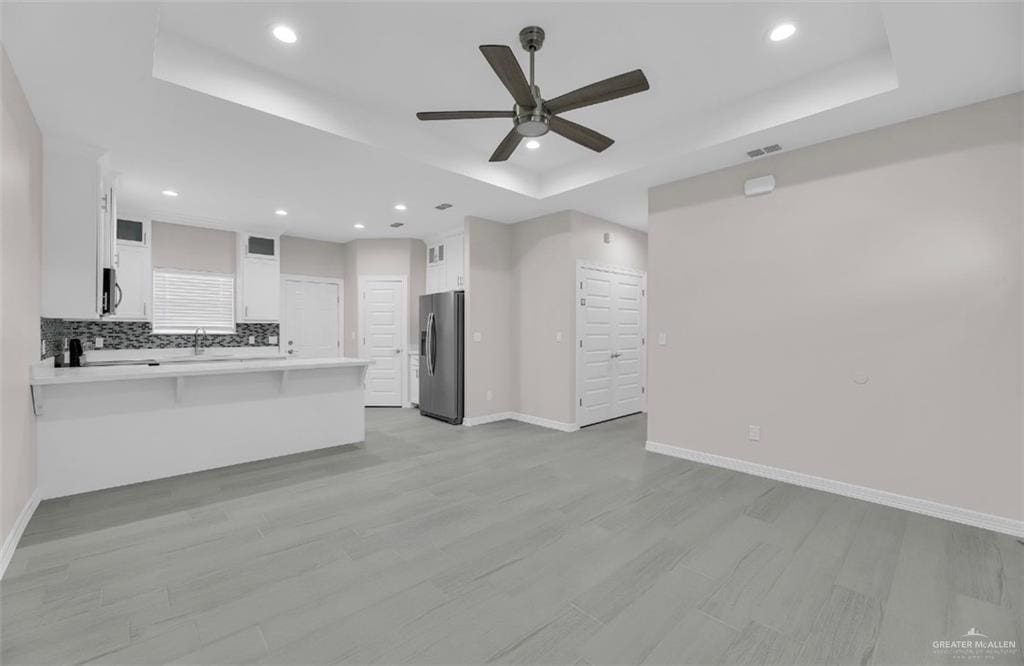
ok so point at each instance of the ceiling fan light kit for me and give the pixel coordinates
(533, 116)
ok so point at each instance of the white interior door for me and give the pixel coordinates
(611, 344)
(312, 324)
(384, 333)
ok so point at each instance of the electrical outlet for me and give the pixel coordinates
(271, 339)
(490, 395)
(477, 336)
(252, 339)
(558, 336)
(99, 343)
(44, 349)
(754, 433)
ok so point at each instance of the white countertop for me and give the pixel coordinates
(44, 374)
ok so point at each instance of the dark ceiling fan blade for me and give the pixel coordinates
(584, 136)
(507, 146)
(505, 65)
(463, 115)
(602, 91)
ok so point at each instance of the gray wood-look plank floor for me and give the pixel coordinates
(500, 543)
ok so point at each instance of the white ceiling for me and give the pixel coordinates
(199, 98)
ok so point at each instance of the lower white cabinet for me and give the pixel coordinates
(414, 379)
(134, 283)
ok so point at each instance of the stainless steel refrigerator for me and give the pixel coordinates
(442, 356)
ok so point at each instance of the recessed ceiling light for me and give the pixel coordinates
(399, 206)
(359, 225)
(285, 34)
(782, 32)
(533, 144)
(280, 211)
(169, 193)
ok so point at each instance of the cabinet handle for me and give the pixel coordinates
(143, 309)
(247, 311)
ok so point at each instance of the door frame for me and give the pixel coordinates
(582, 265)
(404, 313)
(338, 282)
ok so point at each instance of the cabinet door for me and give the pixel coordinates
(454, 271)
(261, 284)
(435, 279)
(133, 281)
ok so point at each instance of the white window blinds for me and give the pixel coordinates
(184, 301)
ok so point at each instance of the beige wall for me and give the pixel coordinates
(543, 297)
(527, 284)
(186, 248)
(302, 256)
(867, 314)
(398, 256)
(20, 294)
(489, 279)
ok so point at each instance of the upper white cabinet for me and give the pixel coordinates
(258, 277)
(446, 263)
(454, 267)
(79, 204)
(133, 261)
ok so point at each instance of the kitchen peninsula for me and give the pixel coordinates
(101, 427)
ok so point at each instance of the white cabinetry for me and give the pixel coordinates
(133, 261)
(258, 277)
(414, 379)
(446, 263)
(78, 204)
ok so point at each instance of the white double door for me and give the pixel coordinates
(383, 338)
(611, 343)
(312, 321)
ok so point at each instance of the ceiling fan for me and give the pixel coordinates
(532, 115)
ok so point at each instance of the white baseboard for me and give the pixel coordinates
(488, 418)
(524, 418)
(546, 423)
(11, 542)
(927, 507)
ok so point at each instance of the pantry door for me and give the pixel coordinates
(611, 342)
(383, 336)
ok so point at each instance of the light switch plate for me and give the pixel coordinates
(662, 338)
(558, 336)
(477, 336)
(99, 343)
(754, 433)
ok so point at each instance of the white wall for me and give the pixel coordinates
(867, 314)
(20, 292)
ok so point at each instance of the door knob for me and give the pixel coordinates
(289, 342)
(616, 354)
(398, 351)
(291, 351)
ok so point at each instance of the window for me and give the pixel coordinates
(261, 247)
(184, 301)
(131, 231)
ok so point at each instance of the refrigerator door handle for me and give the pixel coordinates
(430, 343)
(433, 343)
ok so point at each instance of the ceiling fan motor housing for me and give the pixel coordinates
(532, 38)
(532, 121)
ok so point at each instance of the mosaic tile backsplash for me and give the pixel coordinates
(137, 335)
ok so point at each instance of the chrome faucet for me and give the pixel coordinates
(197, 342)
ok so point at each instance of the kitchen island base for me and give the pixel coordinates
(101, 434)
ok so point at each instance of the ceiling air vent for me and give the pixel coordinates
(758, 152)
(395, 225)
(443, 206)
